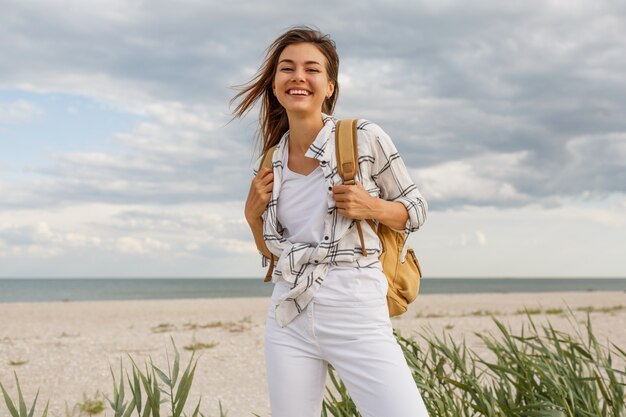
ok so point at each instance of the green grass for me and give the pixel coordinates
(553, 311)
(610, 310)
(88, 407)
(524, 311)
(163, 328)
(18, 408)
(535, 371)
(529, 311)
(199, 346)
(239, 326)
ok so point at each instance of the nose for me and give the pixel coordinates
(297, 75)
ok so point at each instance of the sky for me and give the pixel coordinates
(119, 156)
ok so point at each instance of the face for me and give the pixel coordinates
(301, 81)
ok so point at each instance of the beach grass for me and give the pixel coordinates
(536, 370)
(540, 371)
(89, 406)
(195, 345)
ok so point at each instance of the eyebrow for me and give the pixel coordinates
(289, 61)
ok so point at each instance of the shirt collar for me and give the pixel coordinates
(319, 147)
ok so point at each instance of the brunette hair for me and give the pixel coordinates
(272, 116)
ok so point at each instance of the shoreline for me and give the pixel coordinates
(238, 299)
(69, 346)
(14, 291)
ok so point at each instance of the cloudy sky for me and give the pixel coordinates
(117, 158)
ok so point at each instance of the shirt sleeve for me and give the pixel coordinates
(392, 177)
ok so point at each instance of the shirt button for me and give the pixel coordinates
(322, 163)
(316, 262)
(330, 188)
(326, 238)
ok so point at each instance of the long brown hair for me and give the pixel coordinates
(272, 116)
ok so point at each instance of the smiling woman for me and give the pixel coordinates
(329, 300)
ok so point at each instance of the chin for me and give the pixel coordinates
(304, 108)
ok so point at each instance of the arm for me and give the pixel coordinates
(355, 202)
(258, 197)
(400, 206)
(389, 213)
(392, 177)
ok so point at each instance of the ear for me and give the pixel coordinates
(331, 89)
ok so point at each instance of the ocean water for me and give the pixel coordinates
(39, 290)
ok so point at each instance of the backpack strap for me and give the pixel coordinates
(347, 150)
(266, 162)
(348, 160)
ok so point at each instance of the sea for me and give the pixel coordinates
(94, 289)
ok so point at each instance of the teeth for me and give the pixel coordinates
(299, 92)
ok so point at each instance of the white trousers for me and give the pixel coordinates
(358, 342)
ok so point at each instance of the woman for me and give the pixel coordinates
(329, 300)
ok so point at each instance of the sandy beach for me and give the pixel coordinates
(66, 349)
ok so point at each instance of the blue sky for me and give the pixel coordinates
(117, 158)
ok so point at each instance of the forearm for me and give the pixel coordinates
(256, 226)
(390, 213)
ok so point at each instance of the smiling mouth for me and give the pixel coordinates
(298, 92)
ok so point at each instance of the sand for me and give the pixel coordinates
(69, 347)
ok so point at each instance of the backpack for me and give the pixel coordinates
(403, 278)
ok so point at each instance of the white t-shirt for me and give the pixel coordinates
(302, 206)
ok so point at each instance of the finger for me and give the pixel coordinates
(340, 189)
(267, 180)
(340, 198)
(264, 172)
(262, 176)
(343, 212)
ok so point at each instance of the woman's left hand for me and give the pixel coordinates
(353, 201)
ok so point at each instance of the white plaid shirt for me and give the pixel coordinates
(381, 172)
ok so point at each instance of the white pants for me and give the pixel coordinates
(358, 342)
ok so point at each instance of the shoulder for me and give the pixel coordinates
(371, 136)
(368, 127)
(370, 131)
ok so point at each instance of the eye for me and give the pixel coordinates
(285, 69)
(313, 70)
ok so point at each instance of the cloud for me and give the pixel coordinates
(183, 232)
(481, 238)
(181, 155)
(131, 245)
(18, 111)
(481, 180)
(476, 239)
(496, 106)
(39, 240)
(448, 84)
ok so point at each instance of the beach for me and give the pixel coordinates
(66, 349)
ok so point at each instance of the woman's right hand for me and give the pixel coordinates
(259, 194)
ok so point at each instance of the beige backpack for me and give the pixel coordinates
(403, 278)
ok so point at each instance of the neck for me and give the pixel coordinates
(303, 130)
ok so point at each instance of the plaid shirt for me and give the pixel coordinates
(381, 172)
